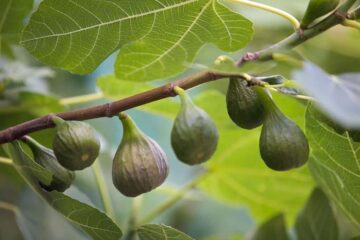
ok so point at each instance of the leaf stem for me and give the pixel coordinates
(274, 10)
(6, 161)
(81, 99)
(8, 206)
(103, 190)
(172, 200)
(351, 23)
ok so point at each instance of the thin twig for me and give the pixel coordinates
(274, 10)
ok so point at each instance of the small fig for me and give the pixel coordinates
(62, 178)
(244, 105)
(194, 136)
(139, 165)
(283, 145)
(76, 144)
(316, 9)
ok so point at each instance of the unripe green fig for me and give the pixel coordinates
(139, 165)
(244, 105)
(316, 9)
(76, 144)
(62, 178)
(283, 145)
(194, 136)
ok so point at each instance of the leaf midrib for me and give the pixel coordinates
(110, 22)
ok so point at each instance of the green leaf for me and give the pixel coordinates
(316, 9)
(317, 220)
(338, 96)
(91, 220)
(335, 164)
(79, 35)
(12, 14)
(114, 89)
(160, 232)
(237, 174)
(274, 228)
(158, 56)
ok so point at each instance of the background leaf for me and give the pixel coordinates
(91, 220)
(274, 228)
(160, 232)
(335, 164)
(340, 97)
(12, 14)
(169, 33)
(317, 220)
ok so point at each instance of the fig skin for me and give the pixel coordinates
(76, 144)
(244, 106)
(139, 165)
(194, 136)
(62, 178)
(283, 145)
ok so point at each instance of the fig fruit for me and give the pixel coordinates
(62, 178)
(316, 9)
(76, 144)
(283, 145)
(194, 136)
(139, 165)
(244, 105)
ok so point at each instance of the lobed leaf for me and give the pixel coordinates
(77, 35)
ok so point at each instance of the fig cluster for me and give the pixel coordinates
(283, 145)
(140, 165)
(76, 145)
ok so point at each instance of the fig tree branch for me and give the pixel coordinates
(113, 108)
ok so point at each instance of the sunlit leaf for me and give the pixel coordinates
(160, 232)
(317, 220)
(335, 164)
(91, 220)
(79, 35)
